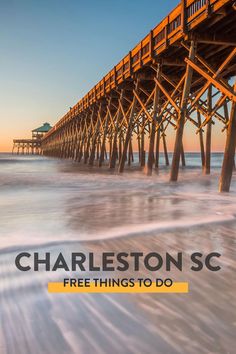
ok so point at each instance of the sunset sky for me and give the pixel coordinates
(53, 52)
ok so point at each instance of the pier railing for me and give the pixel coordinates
(185, 16)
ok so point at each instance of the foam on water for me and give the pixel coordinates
(54, 206)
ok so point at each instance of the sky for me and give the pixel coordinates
(54, 51)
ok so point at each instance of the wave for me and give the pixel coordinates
(126, 231)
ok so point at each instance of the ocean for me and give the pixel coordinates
(52, 205)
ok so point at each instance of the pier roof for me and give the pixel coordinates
(43, 129)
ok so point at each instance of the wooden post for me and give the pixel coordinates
(120, 147)
(98, 148)
(110, 146)
(142, 151)
(183, 155)
(207, 167)
(154, 122)
(64, 144)
(129, 131)
(157, 153)
(130, 152)
(80, 148)
(228, 163)
(105, 152)
(139, 147)
(226, 114)
(181, 118)
(143, 162)
(87, 147)
(102, 152)
(183, 16)
(88, 138)
(165, 149)
(208, 7)
(103, 146)
(95, 137)
(68, 142)
(114, 152)
(80, 144)
(201, 139)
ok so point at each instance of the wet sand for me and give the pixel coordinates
(83, 212)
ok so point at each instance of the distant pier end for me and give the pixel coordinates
(33, 145)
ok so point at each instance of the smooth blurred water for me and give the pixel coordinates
(44, 199)
(59, 206)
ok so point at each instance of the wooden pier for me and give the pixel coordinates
(31, 146)
(27, 146)
(182, 72)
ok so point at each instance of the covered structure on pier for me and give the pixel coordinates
(33, 145)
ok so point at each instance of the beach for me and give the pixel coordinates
(50, 205)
